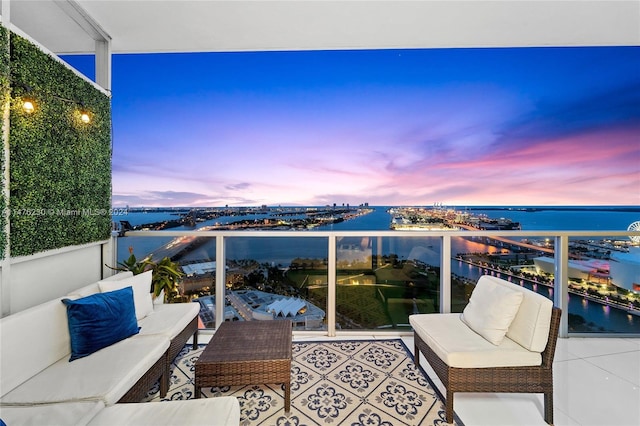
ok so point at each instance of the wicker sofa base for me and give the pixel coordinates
(177, 343)
(530, 379)
(160, 371)
(142, 360)
(157, 372)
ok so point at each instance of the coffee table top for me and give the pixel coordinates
(241, 341)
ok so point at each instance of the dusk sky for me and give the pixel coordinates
(528, 126)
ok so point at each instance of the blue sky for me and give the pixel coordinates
(505, 126)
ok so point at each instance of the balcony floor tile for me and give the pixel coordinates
(597, 383)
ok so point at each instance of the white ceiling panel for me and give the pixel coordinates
(210, 25)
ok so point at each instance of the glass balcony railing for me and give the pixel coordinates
(334, 281)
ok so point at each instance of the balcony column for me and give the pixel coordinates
(5, 10)
(103, 63)
(561, 281)
(102, 39)
(110, 255)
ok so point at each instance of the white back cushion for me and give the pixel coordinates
(530, 327)
(94, 288)
(491, 309)
(85, 291)
(141, 284)
(121, 275)
(30, 341)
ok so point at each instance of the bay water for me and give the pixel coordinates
(595, 218)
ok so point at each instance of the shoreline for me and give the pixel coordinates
(583, 294)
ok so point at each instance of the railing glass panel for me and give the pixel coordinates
(509, 258)
(270, 278)
(373, 280)
(380, 281)
(602, 275)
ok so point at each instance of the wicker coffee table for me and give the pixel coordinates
(245, 353)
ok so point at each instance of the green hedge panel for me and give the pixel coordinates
(60, 168)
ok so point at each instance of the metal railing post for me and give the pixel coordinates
(221, 279)
(331, 286)
(445, 274)
(561, 281)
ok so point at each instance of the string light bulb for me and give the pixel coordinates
(84, 117)
(28, 107)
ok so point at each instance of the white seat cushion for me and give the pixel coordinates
(64, 413)
(223, 410)
(169, 319)
(459, 346)
(104, 375)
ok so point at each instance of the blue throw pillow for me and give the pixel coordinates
(100, 320)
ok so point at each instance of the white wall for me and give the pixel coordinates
(30, 280)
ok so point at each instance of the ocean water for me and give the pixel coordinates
(283, 250)
(570, 218)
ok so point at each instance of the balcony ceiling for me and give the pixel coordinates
(209, 25)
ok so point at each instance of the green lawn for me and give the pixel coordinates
(386, 296)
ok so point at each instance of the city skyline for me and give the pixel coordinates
(492, 126)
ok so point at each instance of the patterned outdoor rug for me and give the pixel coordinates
(373, 382)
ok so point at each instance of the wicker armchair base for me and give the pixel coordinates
(530, 379)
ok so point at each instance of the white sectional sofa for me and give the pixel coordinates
(38, 380)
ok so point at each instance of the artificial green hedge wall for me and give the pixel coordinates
(4, 98)
(60, 167)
